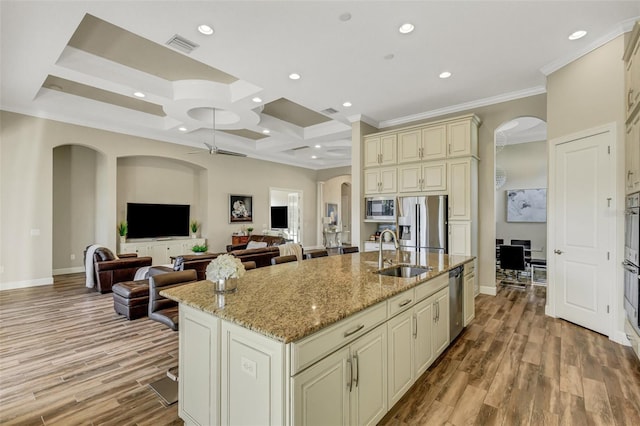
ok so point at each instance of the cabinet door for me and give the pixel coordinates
(321, 393)
(423, 336)
(369, 360)
(388, 150)
(371, 181)
(441, 329)
(159, 254)
(434, 142)
(371, 152)
(176, 249)
(410, 178)
(400, 355)
(434, 176)
(460, 238)
(388, 180)
(469, 301)
(459, 134)
(460, 189)
(632, 156)
(632, 79)
(409, 146)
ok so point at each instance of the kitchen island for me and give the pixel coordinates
(321, 341)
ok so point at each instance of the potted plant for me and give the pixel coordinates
(249, 230)
(200, 249)
(194, 228)
(123, 230)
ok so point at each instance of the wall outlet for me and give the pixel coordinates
(73, 256)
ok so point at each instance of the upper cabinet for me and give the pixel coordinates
(632, 71)
(457, 138)
(380, 150)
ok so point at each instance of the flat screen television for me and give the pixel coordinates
(279, 217)
(157, 220)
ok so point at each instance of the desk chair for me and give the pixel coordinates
(527, 248)
(512, 259)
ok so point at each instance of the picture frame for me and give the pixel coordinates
(240, 208)
(527, 205)
(332, 213)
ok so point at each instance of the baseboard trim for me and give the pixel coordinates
(12, 285)
(487, 289)
(63, 271)
(620, 337)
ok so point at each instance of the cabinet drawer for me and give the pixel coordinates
(469, 267)
(400, 302)
(313, 348)
(430, 287)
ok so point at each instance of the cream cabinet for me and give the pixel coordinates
(460, 189)
(632, 71)
(441, 322)
(427, 176)
(380, 180)
(380, 150)
(469, 292)
(461, 141)
(632, 155)
(375, 246)
(161, 251)
(459, 237)
(349, 387)
(457, 138)
(410, 146)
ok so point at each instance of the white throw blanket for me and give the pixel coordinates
(291, 248)
(88, 266)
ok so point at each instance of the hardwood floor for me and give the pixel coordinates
(515, 366)
(67, 358)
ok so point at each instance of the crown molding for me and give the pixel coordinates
(365, 119)
(621, 28)
(532, 91)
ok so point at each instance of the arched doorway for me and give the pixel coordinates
(520, 171)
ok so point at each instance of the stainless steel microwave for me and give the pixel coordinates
(380, 209)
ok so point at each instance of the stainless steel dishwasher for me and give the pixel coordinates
(456, 320)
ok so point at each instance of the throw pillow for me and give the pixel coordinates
(256, 244)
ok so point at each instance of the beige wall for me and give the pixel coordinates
(26, 194)
(526, 168)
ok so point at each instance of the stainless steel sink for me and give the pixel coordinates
(404, 271)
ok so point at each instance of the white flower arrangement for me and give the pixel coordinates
(225, 266)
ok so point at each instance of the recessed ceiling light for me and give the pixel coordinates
(445, 74)
(577, 35)
(345, 17)
(294, 76)
(256, 100)
(205, 29)
(182, 129)
(318, 146)
(406, 28)
(266, 131)
(314, 156)
(139, 94)
(346, 104)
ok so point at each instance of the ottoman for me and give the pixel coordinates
(131, 298)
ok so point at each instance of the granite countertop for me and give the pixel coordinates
(293, 300)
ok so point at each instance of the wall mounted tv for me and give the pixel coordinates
(279, 217)
(157, 220)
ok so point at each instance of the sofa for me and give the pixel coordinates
(262, 256)
(109, 270)
(269, 239)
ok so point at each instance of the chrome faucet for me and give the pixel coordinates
(395, 241)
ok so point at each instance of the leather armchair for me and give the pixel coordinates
(197, 262)
(109, 270)
(162, 309)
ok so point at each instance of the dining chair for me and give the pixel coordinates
(283, 259)
(349, 249)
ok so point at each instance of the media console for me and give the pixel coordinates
(161, 249)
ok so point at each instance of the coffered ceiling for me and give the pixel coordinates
(83, 61)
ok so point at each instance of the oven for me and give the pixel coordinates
(631, 262)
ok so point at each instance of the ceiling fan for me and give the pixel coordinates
(212, 148)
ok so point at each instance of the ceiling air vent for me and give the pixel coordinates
(182, 44)
(329, 111)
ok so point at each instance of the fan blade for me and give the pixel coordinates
(223, 152)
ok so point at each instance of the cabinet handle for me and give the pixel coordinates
(630, 98)
(449, 148)
(357, 369)
(350, 383)
(438, 311)
(404, 303)
(415, 326)
(355, 330)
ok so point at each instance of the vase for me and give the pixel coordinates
(225, 285)
(123, 239)
(194, 235)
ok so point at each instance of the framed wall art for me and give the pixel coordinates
(240, 208)
(527, 205)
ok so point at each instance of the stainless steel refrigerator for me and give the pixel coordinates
(422, 223)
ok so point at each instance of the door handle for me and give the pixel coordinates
(556, 251)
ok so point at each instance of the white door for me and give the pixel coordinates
(582, 219)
